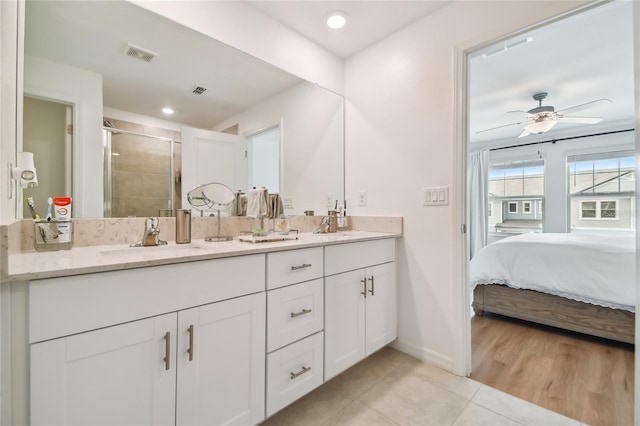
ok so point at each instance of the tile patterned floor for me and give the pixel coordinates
(392, 388)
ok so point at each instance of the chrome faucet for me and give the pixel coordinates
(151, 236)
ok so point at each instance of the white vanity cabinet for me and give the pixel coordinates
(115, 375)
(200, 363)
(295, 320)
(360, 302)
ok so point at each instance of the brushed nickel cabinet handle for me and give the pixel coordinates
(304, 265)
(302, 312)
(301, 372)
(372, 291)
(190, 350)
(167, 350)
(364, 286)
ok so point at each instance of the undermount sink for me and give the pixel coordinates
(334, 235)
(151, 249)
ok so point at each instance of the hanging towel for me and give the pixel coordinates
(276, 207)
(257, 203)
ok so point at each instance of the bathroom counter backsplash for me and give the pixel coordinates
(103, 244)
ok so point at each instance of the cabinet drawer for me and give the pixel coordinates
(290, 267)
(348, 257)
(294, 312)
(293, 371)
(69, 305)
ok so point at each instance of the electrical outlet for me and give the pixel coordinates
(288, 202)
(330, 200)
(362, 198)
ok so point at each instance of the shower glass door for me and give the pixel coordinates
(139, 178)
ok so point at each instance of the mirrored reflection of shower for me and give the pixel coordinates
(142, 174)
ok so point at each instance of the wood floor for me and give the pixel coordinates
(585, 378)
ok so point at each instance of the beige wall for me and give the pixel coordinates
(44, 135)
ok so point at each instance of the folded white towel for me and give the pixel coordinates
(257, 203)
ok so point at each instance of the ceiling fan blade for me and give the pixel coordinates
(500, 127)
(524, 133)
(583, 120)
(584, 106)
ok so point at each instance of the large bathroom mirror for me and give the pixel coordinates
(108, 68)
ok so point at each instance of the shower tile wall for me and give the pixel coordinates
(140, 172)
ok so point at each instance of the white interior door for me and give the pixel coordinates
(209, 156)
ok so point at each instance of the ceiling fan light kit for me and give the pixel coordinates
(541, 125)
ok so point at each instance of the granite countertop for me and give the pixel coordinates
(85, 260)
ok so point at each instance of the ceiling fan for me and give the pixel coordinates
(542, 118)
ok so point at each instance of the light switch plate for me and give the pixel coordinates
(435, 196)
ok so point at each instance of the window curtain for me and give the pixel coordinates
(478, 197)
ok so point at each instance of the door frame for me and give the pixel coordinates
(462, 357)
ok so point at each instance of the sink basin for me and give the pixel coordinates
(332, 236)
(150, 249)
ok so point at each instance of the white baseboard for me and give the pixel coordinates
(423, 354)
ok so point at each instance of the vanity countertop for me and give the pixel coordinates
(85, 260)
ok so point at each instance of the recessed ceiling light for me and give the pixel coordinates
(167, 110)
(336, 19)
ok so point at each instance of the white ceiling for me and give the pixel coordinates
(583, 58)
(576, 60)
(93, 35)
(368, 21)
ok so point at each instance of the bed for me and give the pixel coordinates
(577, 282)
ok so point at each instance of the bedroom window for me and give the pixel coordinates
(602, 192)
(516, 194)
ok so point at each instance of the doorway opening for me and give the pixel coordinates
(48, 134)
(511, 73)
(264, 156)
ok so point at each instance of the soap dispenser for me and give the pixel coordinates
(183, 226)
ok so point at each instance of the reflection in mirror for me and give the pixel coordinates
(212, 196)
(75, 53)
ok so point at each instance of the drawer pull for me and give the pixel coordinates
(301, 372)
(373, 289)
(190, 350)
(364, 285)
(302, 312)
(167, 350)
(304, 265)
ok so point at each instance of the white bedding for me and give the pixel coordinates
(588, 268)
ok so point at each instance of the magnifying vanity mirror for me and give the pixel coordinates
(212, 196)
(237, 120)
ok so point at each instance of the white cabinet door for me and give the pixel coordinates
(381, 309)
(344, 322)
(119, 375)
(224, 381)
(356, 326)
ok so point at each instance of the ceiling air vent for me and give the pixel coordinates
(140, 53)
(199, 90)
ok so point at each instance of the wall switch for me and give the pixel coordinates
(288, 202)
(362, 198)
(435, 196)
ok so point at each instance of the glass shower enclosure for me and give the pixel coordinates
(141, 174)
